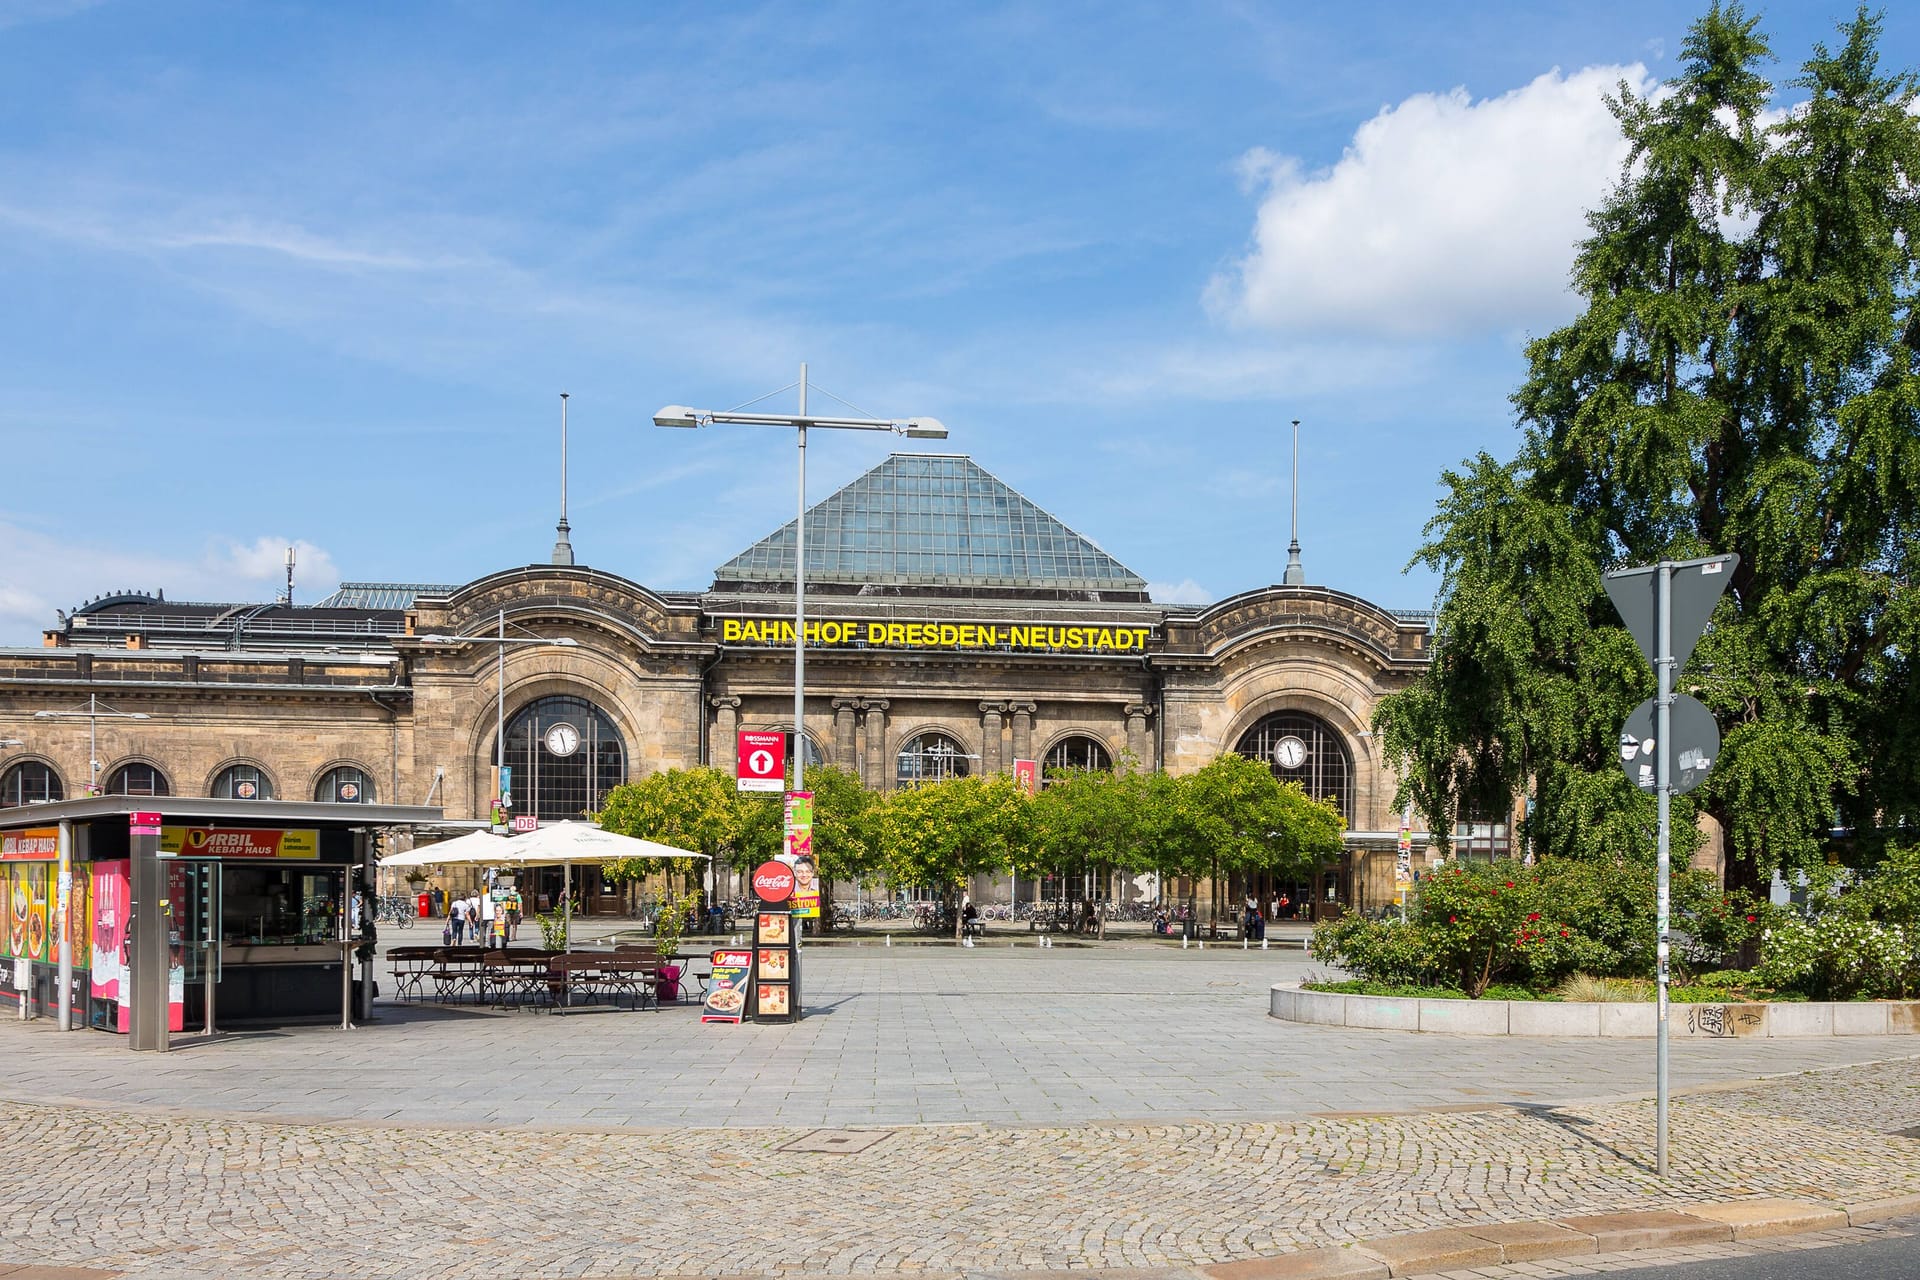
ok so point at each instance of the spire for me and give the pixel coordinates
(1296, 572)
(563, 549)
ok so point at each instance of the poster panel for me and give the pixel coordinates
(28, 912)
(772, 1001)
(179, 895)
(108, 980)
(806, 872)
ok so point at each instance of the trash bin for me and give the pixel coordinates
(1189, 929)
(425, 904)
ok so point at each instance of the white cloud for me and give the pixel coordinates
(47, 574)
(1444, 214)
(1185, 591)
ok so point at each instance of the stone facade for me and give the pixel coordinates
(417, 710)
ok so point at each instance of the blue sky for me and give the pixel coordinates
(317, 273)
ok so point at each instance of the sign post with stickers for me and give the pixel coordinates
(1666, 607)
(776, 959)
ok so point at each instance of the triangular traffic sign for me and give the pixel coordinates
(1697, 588)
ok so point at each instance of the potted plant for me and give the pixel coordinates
(669, 924)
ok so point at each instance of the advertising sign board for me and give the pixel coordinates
(806, 871)
(760, 762)
(773, 882)
(728, 988)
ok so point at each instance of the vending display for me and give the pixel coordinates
(776, 966)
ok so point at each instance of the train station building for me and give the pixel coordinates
(953, 627)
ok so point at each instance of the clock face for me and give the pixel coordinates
(563, 739)
(1290, 752)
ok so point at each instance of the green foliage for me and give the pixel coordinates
(670, 919)
(940, 833)
(553, 929)
(1248, 820)
(686, 808)
(845, 843)
(1743, 377)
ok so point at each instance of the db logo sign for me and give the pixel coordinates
(773, 882)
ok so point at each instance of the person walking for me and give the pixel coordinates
(457, 921)
(491, 921)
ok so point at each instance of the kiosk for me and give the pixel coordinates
(149, 915)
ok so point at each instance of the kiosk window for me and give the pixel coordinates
(267, 906)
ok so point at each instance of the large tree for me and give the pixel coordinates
(1742, 378)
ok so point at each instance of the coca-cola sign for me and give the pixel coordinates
(773, 882)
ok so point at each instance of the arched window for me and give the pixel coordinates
(815, 757)
(243, 782)
(1075, 755)
(138, 779)
(344, 785)
(931, 757)
(30, 782)
(566, 755)
(1304, 749)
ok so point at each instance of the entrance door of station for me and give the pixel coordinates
(194, 934)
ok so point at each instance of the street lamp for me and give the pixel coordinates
(502, 640)
(679, 415)
(92, 715)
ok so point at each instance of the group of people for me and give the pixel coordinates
(490, 919)
(1253, 921)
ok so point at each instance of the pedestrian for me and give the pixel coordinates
(512, 905)
(492, 922)
(1250, 917)
(456, 923)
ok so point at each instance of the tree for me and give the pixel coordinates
(1742, 378)
(1086, 817)
(942, 833)
(844, 847)
(686, 808)
(1246, 820)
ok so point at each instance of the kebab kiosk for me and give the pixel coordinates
(171, 914)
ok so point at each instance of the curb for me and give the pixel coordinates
(1412, 1253)
(1419, 1253)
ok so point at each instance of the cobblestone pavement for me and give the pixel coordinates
(174, 1167)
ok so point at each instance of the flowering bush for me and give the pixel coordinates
(1838, 956)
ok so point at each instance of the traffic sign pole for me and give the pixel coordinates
(1663, 778)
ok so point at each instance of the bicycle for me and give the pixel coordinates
(397, 909)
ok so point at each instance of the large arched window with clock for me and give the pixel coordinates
(566, 755)
(1304, 749)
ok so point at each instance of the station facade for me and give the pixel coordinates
(953, 627)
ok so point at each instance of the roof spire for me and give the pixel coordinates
(1296, 572)
(563, 549)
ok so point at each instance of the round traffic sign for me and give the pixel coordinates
(1694, 745)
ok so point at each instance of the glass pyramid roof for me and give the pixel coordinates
(935, 520)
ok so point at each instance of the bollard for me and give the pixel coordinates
(1183, 942)
(1243, 944)
(889, 939)
(1263, 944)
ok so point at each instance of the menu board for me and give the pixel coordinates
(773, 999)
(728, 987)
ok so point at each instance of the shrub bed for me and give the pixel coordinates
(1475, 929)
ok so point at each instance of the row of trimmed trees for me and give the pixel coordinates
(1233, 816)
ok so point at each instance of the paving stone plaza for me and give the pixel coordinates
(1008, 1109)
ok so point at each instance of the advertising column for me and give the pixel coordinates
(776, 970)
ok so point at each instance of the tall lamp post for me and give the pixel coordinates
(679, 415)
(502, 640)
(93, 715)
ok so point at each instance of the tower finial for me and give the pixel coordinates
(563, 549)
(1296, 572)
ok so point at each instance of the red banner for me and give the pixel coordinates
(35, 844)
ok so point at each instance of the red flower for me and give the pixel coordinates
(1532, 916)
(1565, 934)
(1453, 919)
(1751, 919)
(1509, 884)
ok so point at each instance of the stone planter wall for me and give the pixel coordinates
(1553, 1018)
